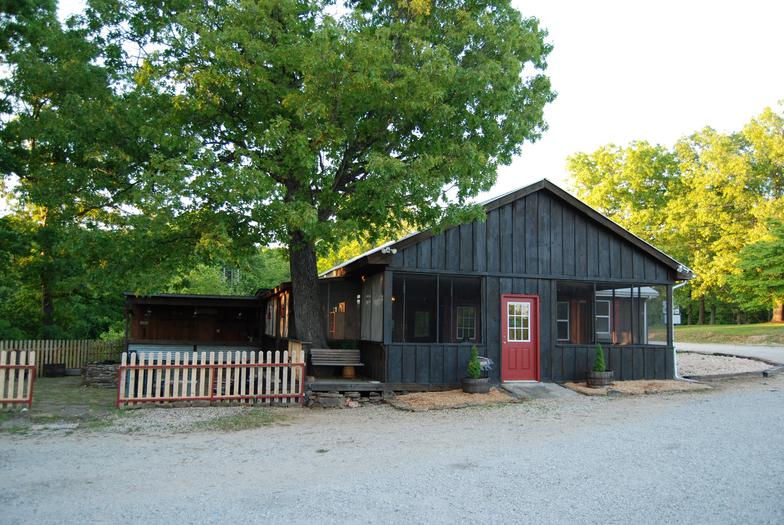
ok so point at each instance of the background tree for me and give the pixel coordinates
(702, 201)
(760, 281)
(318, 122)
(81, 157)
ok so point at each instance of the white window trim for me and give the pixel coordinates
(457, 321)
(522, 326)
(567, 321)
(608, 316)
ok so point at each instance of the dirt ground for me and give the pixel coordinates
(450, 399)
(695, 364)
(639, 387)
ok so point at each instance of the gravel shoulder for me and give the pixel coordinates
(707, 457)
(697, 364)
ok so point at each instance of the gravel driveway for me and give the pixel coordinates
(715, 457)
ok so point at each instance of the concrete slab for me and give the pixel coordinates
(531, 391)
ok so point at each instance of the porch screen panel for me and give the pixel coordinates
(436, 309)
(574, 312)
(621, 314)
(372, 308)
(655, 314)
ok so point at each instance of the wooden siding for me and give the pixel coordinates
(629, 362)
(538, 235)
(428, 363)
(524, 247)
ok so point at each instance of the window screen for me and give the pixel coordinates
(431, 309)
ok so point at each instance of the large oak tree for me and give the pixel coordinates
(316, 122)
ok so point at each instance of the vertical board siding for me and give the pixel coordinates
(592, 247)
(580, 247)
(480, 242)
(544, 237)
(453, 249)
(493, 324)
(524, 247)
(556, 239)
(466, 247)
(520, 232)
(573, 362)
(429, 364)
(568, 243)
(506, 240)
(423, 254)
(532, 232)
(493, 248)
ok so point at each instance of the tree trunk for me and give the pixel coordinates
(701, 317)
(309, 322)
(47, 305)
(778, 313)
(713, 314)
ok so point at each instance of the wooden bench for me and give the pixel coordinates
(347, 358)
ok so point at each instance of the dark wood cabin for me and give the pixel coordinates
(536, 286)
(177, 323)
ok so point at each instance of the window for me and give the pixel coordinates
(562, 320)
(436, 309)
(466, 323)
(518, 319)
(602, 317)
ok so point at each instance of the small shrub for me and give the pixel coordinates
(474, 368)
(598, 362)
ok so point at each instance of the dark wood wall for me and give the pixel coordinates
(524, 247)
(538, 235)
(627, 362)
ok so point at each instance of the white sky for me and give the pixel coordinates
(656, 71)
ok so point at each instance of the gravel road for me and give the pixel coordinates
(714, 457)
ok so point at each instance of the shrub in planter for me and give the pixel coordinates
(475, 383)
(599, 376)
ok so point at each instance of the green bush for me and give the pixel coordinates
(598, 362)
(474, 368)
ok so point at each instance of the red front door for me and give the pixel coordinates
(519, 338)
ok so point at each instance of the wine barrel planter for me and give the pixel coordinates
(600, 379)
(476, 386)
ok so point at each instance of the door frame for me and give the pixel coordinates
(535, 333)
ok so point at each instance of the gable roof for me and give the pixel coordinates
(382, 254)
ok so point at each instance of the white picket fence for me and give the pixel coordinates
(244, 377)
(74, 353)
(17, 377)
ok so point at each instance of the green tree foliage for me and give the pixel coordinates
(701, 201)
(599, 364)
(313, 122)
(474, 369)
(82, 156)
(760, 282)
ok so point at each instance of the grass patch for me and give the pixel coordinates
(322, 451)
(247, 419)
(64, 400)
(749, 334)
